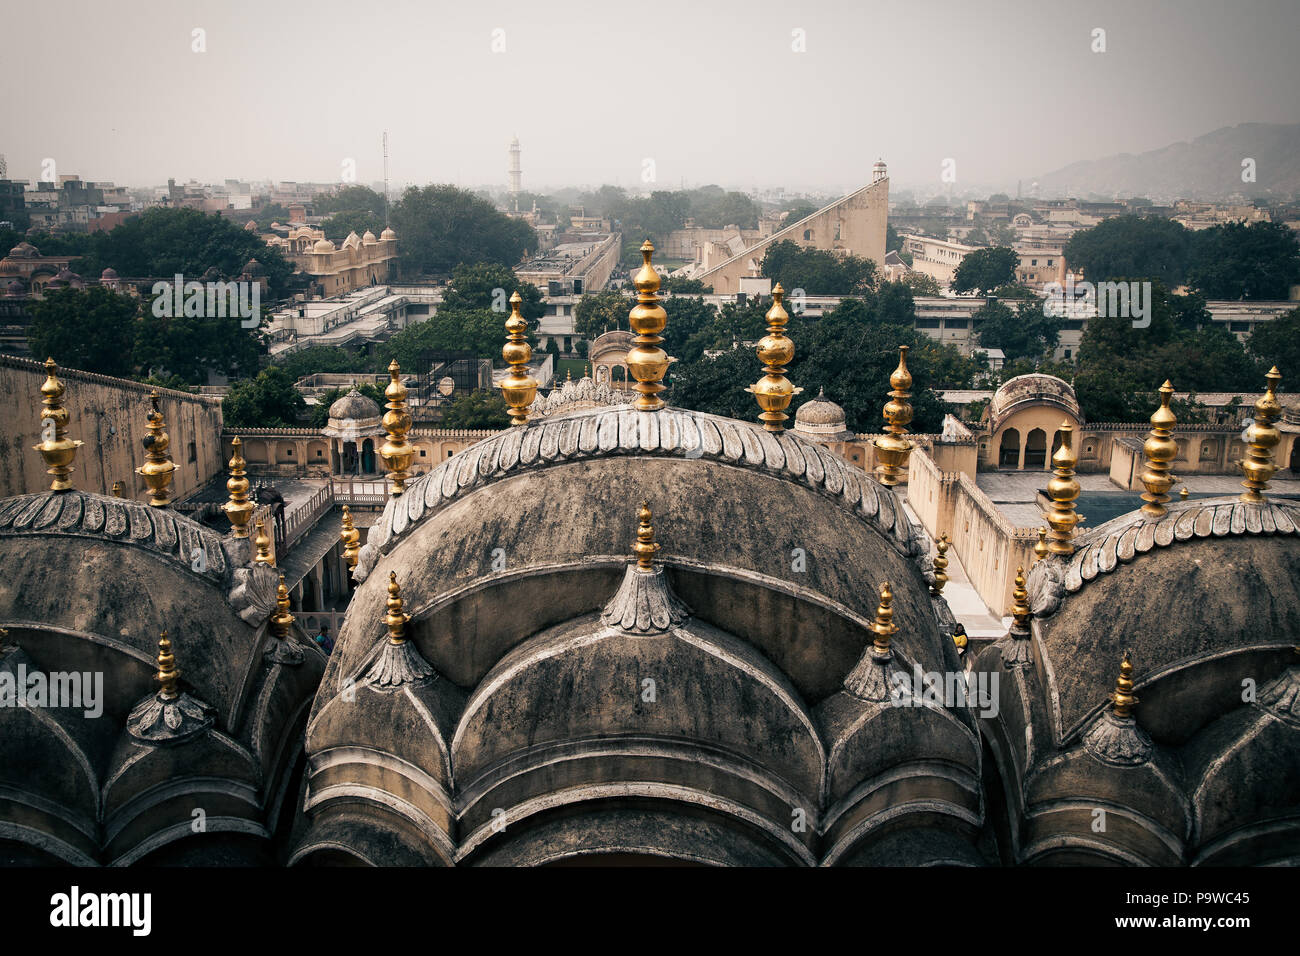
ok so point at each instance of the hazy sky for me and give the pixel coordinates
(710, 90)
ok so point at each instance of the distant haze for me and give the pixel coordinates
(710, 92)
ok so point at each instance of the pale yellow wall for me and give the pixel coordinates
(109, 416)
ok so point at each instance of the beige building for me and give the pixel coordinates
(854, 225)
(359, 261)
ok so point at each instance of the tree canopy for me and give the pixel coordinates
(441, 226)
(1024, 333)
(984, 270)
(267, 401)
(92, 329)
(816, 271)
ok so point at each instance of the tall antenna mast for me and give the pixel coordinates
(386, 179)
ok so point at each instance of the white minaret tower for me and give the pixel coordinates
(516, 174)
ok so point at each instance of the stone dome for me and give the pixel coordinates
(388, 234)
(92, 581)
(24, 250)
(368, 237)
(254, 268)
(108, 275)
(1034, 388)
(821, 419)
(354, 417)
(15, 287)
(323, 246)
(522, 541)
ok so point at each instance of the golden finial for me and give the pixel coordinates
(883, 626)
(645, 546)
(238, 508)
(775, 350)
(940, 565)
(1063, 488)
(1261, 438)
(518, 388)
(646, 360)
(568, 374)
(1184, 493)
(1160, 450)
(1040, 546)
(1123, 698)
(168, 673)
(893, 450)
(117, 489)
(55, 447)
(395, 619)
(281, 619)
(262, 544)
(1020, 609)
(397, 452)
(158, 466)
(351, 538)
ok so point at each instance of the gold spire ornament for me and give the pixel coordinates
(647, 362)
(395, 620)
(1184, 494)
(883, 626)
(351, 538)
(1160, 450)
(1019, 606)
(775, 350)
(239, 509)
(1122, 698)
(1063, 489)
(397, 452)
(1040, 546)
(158, 467)
(518, 388)
(56, 448)
(893, 450)
(117, 489)
(1261, 438)
(262, 545)
(168, 673)
(1016, 650)
(645, 547)
(399, 662)
(281, 619)
(170, 715)
(940, 565)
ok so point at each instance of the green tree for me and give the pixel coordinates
(984, 270)
(1278, 343)
(478, 409)
(90, 329)
(680, 286)
(816, 271)
(1260, 260)
(476, 287)
(1139, 247)
(350, 199)
(321, 410)
(922, 284)
(1025, 333)
(441, 226)
(690, 327)
(601, 312)
(338, 226)
(267, 401)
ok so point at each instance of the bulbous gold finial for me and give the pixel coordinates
(1019, 602)
(647, 362)
(883, 626)
(1063, 489)
(351, 539)
(262, 545)
(1184, 494)
(1122, 697)
(395, 620)
(1040, 546)
(518, 388)
(397, 452)
(940, 565)
(158, 467)
(117, 489)
(281, 619)
(1261, 439)
(893, 450)
(1160, 450)
(645, 547)
(775, 350)
(168, 673)
(55, 447)
(238, 508)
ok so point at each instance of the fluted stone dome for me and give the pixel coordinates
(388, 234)
(523, 542)
(353, 417)
(821, 419)
(254, 268)
(108, 275)
(24, 250)
(323, 246)
(91, 582)
(368, 238)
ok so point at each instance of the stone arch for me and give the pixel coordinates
(1009, 449)
(1036, 449)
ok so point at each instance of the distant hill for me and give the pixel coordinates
(1208, 167)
